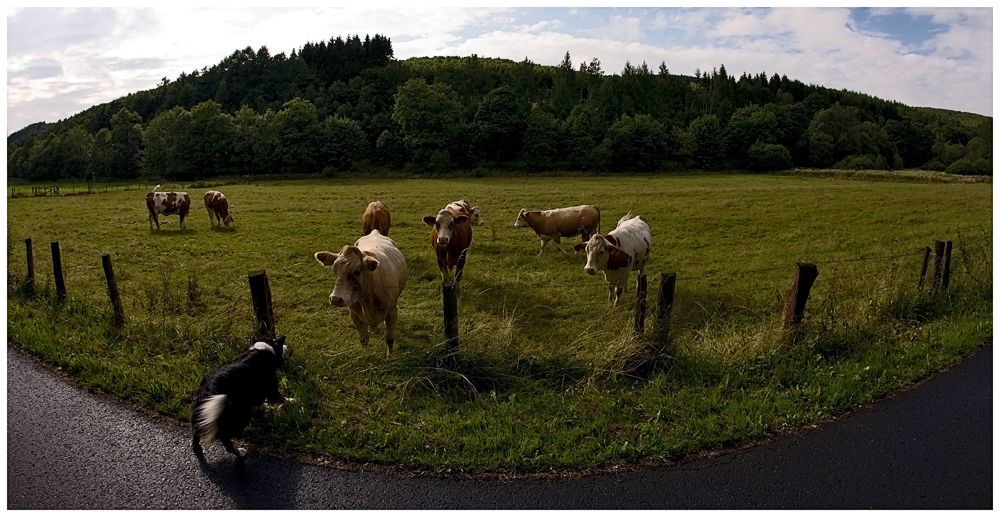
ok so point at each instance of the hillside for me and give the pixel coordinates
(347, 103)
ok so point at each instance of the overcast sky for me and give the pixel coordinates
(61, 61)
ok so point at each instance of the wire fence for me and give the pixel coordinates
(589, 297)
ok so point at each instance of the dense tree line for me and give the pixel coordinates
(347, 103)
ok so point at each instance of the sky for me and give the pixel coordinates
(61, 61)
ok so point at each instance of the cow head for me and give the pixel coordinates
(475, 217)
(522, 219)
(444, 223)
(603, 253)
(352, 268)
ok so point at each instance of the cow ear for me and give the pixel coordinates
(370, 263)
(462, 219)
(579, 246)
(326, 258)
(430, 220)
(612, 240)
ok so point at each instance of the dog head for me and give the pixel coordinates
(275, 346)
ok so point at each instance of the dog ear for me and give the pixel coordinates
(279, 347)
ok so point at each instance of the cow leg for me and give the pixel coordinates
(154, 219)
(542, 248)
(182, 221)
(461, 265)
(391, 317)
(210, 214)
(558, 242)
(362, 327)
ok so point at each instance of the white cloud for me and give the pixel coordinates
(62, 61)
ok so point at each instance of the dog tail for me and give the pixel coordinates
(206, 417)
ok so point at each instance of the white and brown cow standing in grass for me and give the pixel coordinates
(166, 203)
(218, 208)
(624, 249)
(376, 217)
(553, 225)
(451, 236)
(370, 277)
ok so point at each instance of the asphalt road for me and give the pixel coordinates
(930, 447)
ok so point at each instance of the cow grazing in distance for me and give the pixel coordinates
(553, 225)
(451, 236)
(218, 208)
(370, 276)
(376, 217)
(623, 249)
(166, 203)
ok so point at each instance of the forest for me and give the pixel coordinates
(347, 105)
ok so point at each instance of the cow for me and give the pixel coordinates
(218, 208)
(451, 236)
(623, 249)
(166, 203)
(475, 217)
(376, 217)
(552, 225)
(370, 276)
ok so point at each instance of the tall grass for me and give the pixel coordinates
(548, 373)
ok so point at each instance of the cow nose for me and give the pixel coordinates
(589, 270)
(336, 300)
(443, 241)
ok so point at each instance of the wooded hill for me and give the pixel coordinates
(347, 104)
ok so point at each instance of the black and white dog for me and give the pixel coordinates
(228, 395)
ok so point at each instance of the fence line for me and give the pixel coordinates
(805, 277)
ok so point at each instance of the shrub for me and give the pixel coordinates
(971, 167)
(768, 157)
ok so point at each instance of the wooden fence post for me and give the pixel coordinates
(57, 270)
(946, 276)
(640, 305)
(938, 263)
(116, 301)
(664, 306)
(805, 275)
(31, 263)
(260, 294)
(449, 295)
(923, 268)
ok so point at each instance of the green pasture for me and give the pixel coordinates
(549, 374)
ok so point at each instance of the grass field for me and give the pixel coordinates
(549, 373)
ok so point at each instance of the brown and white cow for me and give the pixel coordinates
(475, 217)
(166, 203)
(370, 276)
(376, 217)
(451, 236)
(553, 225)
(623, 249)
(218, 208)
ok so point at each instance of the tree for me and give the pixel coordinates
(430, 117)
(126, 144)
(299, 136)
(747, 126)
(637, 144)
(165, 144)
(498, 129)
(584, 128)
(708, 142)
(211, 140)
(346, 143)
(542, 141)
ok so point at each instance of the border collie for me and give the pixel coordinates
(228, 395)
